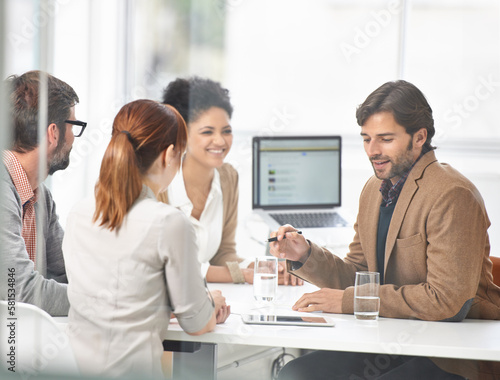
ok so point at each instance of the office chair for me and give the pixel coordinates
(495, 270)
(32, 341)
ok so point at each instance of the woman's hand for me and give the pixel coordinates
(285, 278)
(223, 314)
(222, 310)
(248, 274)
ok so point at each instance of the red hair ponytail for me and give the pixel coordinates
(142, 129)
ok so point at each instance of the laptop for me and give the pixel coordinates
(297, 180)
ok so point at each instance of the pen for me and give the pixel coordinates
(271, 239)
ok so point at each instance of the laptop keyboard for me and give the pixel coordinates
(311, 219)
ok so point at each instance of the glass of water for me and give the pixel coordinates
(265, 278)
(366, 296)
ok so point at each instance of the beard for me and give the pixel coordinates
(60, 161)
(399, 164)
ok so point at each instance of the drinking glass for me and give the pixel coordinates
(265, 278)
(366, 296)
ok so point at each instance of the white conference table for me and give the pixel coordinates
(469, 339)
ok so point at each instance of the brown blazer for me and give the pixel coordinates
(229, 187)
(437, 264)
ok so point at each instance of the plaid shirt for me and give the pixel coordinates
(390, 193)
(28, 199)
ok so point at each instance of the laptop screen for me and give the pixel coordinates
(296, 172)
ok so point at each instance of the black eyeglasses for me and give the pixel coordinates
(77, 126)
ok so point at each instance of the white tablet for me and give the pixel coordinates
(270, 319)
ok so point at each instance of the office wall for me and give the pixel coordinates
(292, 67)
(298, 67)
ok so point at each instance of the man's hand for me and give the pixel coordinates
(285, 278)
(326, 300)
(295, 247)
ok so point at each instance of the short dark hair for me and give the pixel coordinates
(24, 95)
(193, 96)
(405, 102)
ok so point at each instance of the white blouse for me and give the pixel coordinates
(124, 284)
(209, 228)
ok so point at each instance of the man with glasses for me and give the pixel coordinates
(34, 273)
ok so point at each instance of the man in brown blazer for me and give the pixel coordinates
(421, 224)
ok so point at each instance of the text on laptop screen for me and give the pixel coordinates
(297, 171)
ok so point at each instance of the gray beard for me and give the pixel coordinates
(60, 160)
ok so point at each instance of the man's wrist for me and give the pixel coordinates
(304, 258)
(295, 265)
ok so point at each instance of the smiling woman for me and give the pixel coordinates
(207, 188)
(210, 139)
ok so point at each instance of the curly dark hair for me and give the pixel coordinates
(193, 96)
(405, 102)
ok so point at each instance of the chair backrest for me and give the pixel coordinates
(33, 342)
(496, 269)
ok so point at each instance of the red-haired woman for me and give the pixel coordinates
(132, 260)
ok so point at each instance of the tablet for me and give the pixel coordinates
(270, 319)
